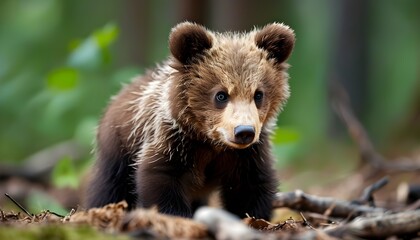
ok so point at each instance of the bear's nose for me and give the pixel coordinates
(244, 134)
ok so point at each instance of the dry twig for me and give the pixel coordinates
(20, 206)
(367, 196)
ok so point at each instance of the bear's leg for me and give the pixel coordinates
(113, 176)
(256, 201)
(160, 184)
(252, 192)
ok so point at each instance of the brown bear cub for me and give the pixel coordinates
(199, 122)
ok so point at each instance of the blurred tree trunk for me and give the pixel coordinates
(242, 15)
(143, 21)
(193, 11)
(135, 24)
(349, 55)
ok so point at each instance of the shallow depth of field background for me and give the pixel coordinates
(61, 61)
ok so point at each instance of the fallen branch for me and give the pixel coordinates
(300, 201)
(396, 224)
(342, 107)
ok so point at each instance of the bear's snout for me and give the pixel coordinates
(244, 134)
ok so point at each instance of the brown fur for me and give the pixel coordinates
(167, 140)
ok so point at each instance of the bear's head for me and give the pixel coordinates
(229, 87)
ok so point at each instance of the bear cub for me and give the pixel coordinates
(198, 122)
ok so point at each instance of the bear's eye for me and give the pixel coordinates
(221, 99)
(258, 96)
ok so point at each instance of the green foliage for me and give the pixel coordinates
(41, 107)
(69, 172)
(65, 174)
(286, 144)
(106, 36)
(68, 90)
(93, 52)
(38, 201)
(285, 135)
(57, 232)
(62, 79)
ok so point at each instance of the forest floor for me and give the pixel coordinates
(297, 215)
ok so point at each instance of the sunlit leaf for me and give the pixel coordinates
(284, 135)
(64, 174)
(73, 44)
(93, 52)
(106, 35)
(63, 79)
(285, 144)
(86, 56)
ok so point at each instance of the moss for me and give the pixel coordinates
(56, 232)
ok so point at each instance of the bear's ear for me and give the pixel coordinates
(188, 41)
(277, 39)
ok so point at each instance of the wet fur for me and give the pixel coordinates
(155, 143)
